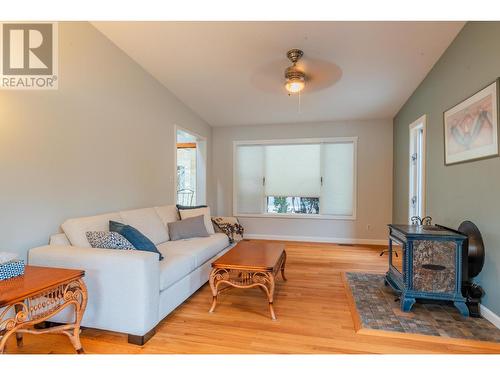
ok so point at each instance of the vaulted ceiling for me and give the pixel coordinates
(231, 73)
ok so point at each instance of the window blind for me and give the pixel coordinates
(292, 170)
(338, 179)
(249, 175)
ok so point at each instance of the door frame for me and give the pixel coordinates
(199, 138)
(421, 122)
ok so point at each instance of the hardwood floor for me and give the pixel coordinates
(312, 309)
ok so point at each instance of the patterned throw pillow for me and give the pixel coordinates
(230, 226)
(108, 240)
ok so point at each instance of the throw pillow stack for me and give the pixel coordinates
(186, 212)
(136, 238)
(121, 237)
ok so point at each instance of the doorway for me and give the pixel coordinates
(416, 202)
(190, 161)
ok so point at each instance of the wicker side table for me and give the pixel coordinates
(35, 297)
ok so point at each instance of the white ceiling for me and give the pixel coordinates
(231, 73)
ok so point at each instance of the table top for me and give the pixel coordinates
(252, 255)
(426, 230)
(35, 280)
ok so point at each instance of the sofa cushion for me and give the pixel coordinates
(186, 213)
(147, 221)
(174, 267)
(59, 239)
(167, 214)
(200, 248)
(136, 238)
(76, 229)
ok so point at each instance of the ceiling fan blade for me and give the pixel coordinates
(320, 74)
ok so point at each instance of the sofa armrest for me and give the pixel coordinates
(123, 285)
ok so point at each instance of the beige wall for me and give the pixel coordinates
(374, 199)
(104, 141)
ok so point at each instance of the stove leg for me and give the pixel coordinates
(406, 303)
(462, 307)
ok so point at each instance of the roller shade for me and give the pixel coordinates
(338, 179)
(292, 170)
(249, 175)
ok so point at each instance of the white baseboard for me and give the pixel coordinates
(490, 316)
(350, 241)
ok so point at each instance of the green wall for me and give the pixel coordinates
(462, 191)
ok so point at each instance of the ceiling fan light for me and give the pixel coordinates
(294, 85)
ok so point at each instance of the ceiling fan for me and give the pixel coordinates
(306, 74)
(295, 78)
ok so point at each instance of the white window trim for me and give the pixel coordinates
(421, 122)
(354, 140)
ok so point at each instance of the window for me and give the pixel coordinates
(190, 165)
(186, 173)
(312, 177)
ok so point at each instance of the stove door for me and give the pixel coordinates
(397, 253)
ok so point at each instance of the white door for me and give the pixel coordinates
(416, 202)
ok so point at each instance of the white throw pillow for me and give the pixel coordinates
(192, 212)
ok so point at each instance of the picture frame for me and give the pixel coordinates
(471, 127)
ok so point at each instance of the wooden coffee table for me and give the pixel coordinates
(38, 295)
(249, 264)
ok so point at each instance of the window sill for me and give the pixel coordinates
(298, 216)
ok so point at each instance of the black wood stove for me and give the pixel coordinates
(433, 262)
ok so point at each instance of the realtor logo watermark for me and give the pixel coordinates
(29, 56)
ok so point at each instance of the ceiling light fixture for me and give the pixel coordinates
(295, 79)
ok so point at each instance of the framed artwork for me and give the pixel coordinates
(471, 127)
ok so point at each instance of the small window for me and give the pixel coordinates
(293, 205)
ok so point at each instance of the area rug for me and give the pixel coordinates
(377, 309)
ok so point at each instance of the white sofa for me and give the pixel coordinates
(130, 291)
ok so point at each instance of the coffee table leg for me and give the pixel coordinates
(270, 295)
(79, 310)
(271, 310)
(214, 303)
(19, 336)
(283, 266)
(214, 289)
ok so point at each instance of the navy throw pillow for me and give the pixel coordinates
(136, 238)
